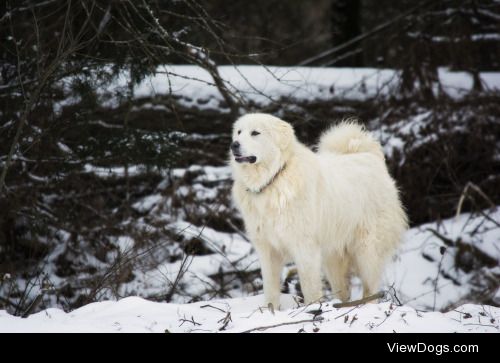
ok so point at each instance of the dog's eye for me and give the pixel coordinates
(239, 132)
(255, 133)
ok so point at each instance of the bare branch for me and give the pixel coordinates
(378, 295)
(262, 328)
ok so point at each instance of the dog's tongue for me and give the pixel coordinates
(246, 159)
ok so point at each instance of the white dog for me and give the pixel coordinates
(336, 210)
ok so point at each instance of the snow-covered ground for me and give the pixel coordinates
(263, 85)
(421, 280)
(193, 87)
(424, 272)
(134, 314)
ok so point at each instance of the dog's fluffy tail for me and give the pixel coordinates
(349, 137)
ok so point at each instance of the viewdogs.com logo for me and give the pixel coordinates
(437, 349)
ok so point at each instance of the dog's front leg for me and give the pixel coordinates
(271, 264)
(309, 269)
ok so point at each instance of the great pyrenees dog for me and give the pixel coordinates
(335, 211)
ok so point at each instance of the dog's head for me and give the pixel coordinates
(260, 139)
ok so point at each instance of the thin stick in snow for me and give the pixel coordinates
(378, 295)
(262, 328)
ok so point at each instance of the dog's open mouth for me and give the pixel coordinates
(245, 159)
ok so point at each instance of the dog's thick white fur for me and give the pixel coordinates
(335, 211)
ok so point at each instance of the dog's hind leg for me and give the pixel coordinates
(271, 264)
(336, 268)
(369, 262)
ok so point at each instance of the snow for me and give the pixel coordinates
(134, 314)
(230, 253)
(207, 173)
(230, 244)
(256, 83)
(417, 271)
(417, 291)
(116, 171)
(192, 86)
(418, 129)
(125, 243)
(148, 203)
(393, 136)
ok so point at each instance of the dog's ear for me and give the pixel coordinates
(284, 133)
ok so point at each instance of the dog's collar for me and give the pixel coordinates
(269, 182)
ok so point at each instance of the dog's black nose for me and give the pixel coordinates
(235, 146)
